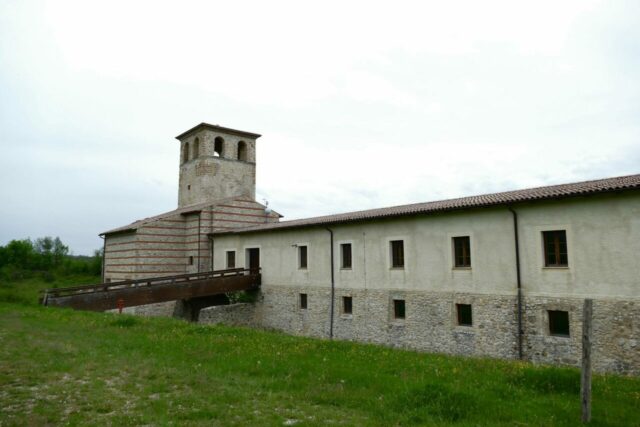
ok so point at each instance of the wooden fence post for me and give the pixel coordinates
(585, 379)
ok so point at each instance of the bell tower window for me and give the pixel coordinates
(242, 151)
(196, 148)
(185, 153)
(218, 146)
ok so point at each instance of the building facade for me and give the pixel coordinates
(501, 275)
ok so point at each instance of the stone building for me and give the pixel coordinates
(455, 276)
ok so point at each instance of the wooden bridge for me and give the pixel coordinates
(129, 293)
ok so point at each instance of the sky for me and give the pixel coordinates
(360, 104)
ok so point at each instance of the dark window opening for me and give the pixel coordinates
(465, 317)
(196, 148)
(462, 251)
(555, 248)
(218, 146)
(345, 251)
(559, 323)
(185, 153)
(302, 257)
(231, 259)
(189, 187)
(398, 309)
(303, 301)
(190, 260)
(397, 253)
(347, 305)
(242, 151)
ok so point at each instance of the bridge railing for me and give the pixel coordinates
(148, 282)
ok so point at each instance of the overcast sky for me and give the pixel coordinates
(360, 104)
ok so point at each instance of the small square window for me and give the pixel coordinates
(397, 253)
(347, 305)
(303, 301)
(345, 255)
(462, 251)
(555, 248)
(559, 323)
(302, 257)
(465, 317)
(231, 259)
(398, 309)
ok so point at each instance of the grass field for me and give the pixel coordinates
(63, 367)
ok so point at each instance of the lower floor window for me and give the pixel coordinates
(347, 305)
(398, 309)
(303, 301)
(465, 317)
(559, 323)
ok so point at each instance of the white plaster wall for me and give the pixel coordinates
(603, 235)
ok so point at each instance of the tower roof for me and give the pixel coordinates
(218, 129)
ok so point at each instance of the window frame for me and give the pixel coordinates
(227, 253)
(343, 265)
(399, 308)
(303, 301)
(461, 315)
(397, 258)
(465, 249)
(555, 323)
(303, 255)
(347, 305)
(557, 248)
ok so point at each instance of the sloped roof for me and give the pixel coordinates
(180, 211)
(485, 200)
(221, 129)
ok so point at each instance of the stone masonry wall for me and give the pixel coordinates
(232, 315)
(431, 324)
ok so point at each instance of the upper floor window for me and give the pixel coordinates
(218, 146)
(196, 148)
(462, 251)
(231, 259)
(397, 253)
(242, 151)
(555, 248)
(302, 257)
(345, 255)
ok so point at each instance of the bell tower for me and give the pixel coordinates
(216, 163)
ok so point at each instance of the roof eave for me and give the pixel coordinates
(220, 129)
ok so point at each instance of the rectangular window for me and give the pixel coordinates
(302, 257)
(462, 251)
(347, 305)
(555, 248)
(559, 323)
(345, 254)
(398, 309)
(190, 260)
(303, 301)
(465, 317)
(397, 253)
(231, 259)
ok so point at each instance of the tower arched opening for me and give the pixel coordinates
(242, 151)
(218, 145)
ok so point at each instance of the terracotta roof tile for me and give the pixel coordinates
(485, 200)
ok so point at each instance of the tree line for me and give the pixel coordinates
(47, 256)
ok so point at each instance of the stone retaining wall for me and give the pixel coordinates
(232, 315)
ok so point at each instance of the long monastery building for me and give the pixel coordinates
(499, 275)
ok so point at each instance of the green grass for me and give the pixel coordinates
(64, 367)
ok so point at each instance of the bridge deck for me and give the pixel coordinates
(129, 293)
